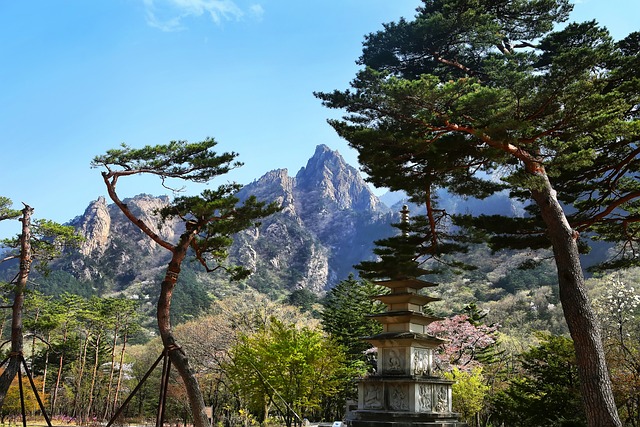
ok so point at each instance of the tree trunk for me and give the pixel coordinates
(107, 404)
(18, 301)
(120, 372)
(33, 340)
(54, 397)
(597, 393)
(176, 353)
(77, 398)
(46, 365)
(94, 375)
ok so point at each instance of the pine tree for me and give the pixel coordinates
(344, 317)
(483, 96)
(209, 219)
(546, 393)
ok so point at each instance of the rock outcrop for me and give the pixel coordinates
(328, 222)
(95, 226)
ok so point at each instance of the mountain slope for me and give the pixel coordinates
(328, 223)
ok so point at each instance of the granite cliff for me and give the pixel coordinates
(328, 223)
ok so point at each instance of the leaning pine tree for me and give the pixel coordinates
(209, 221)
(474, 90)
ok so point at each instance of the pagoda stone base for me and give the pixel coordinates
(403, 419)
(398, 401)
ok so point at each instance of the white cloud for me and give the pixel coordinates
(169, 15)
(257, 11)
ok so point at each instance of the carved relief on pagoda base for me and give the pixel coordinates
(433, 398)
(399, 397)
(372, 396)
(443, 399)
(394, 360)
(422, 361)
(425, 398)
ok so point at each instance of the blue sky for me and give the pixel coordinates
(81, 76)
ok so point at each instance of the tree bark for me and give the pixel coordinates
(595, 383)
(177, 355)
(17, 344)
(107, 405)
(114, 404)
(94, 375)
(54, 396)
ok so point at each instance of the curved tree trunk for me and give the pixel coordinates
(16, 355)
(195, 163)
(595, 383)
(176, 353)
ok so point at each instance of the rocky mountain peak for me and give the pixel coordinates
(328, 222)
(331, 179)
(271, 186)
(275, 185)
(95, 226)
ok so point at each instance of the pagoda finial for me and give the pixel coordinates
(404, 218)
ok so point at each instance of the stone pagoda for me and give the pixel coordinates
(405, 391)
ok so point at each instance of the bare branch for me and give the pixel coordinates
(110, 179)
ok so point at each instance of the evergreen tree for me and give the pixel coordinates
(303, 299)
(471, 91)
(344, 317)
(547, 391)
(210, 220)
(6, 210)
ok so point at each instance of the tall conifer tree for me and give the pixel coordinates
(474, 90)
(346, 307)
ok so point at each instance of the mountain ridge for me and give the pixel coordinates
(328, 222)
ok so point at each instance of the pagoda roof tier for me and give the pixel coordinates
(403, 339)
(414, 317)
(409, 282)
(408, 297)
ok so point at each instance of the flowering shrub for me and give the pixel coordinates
(465, 342)
(618, 310)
